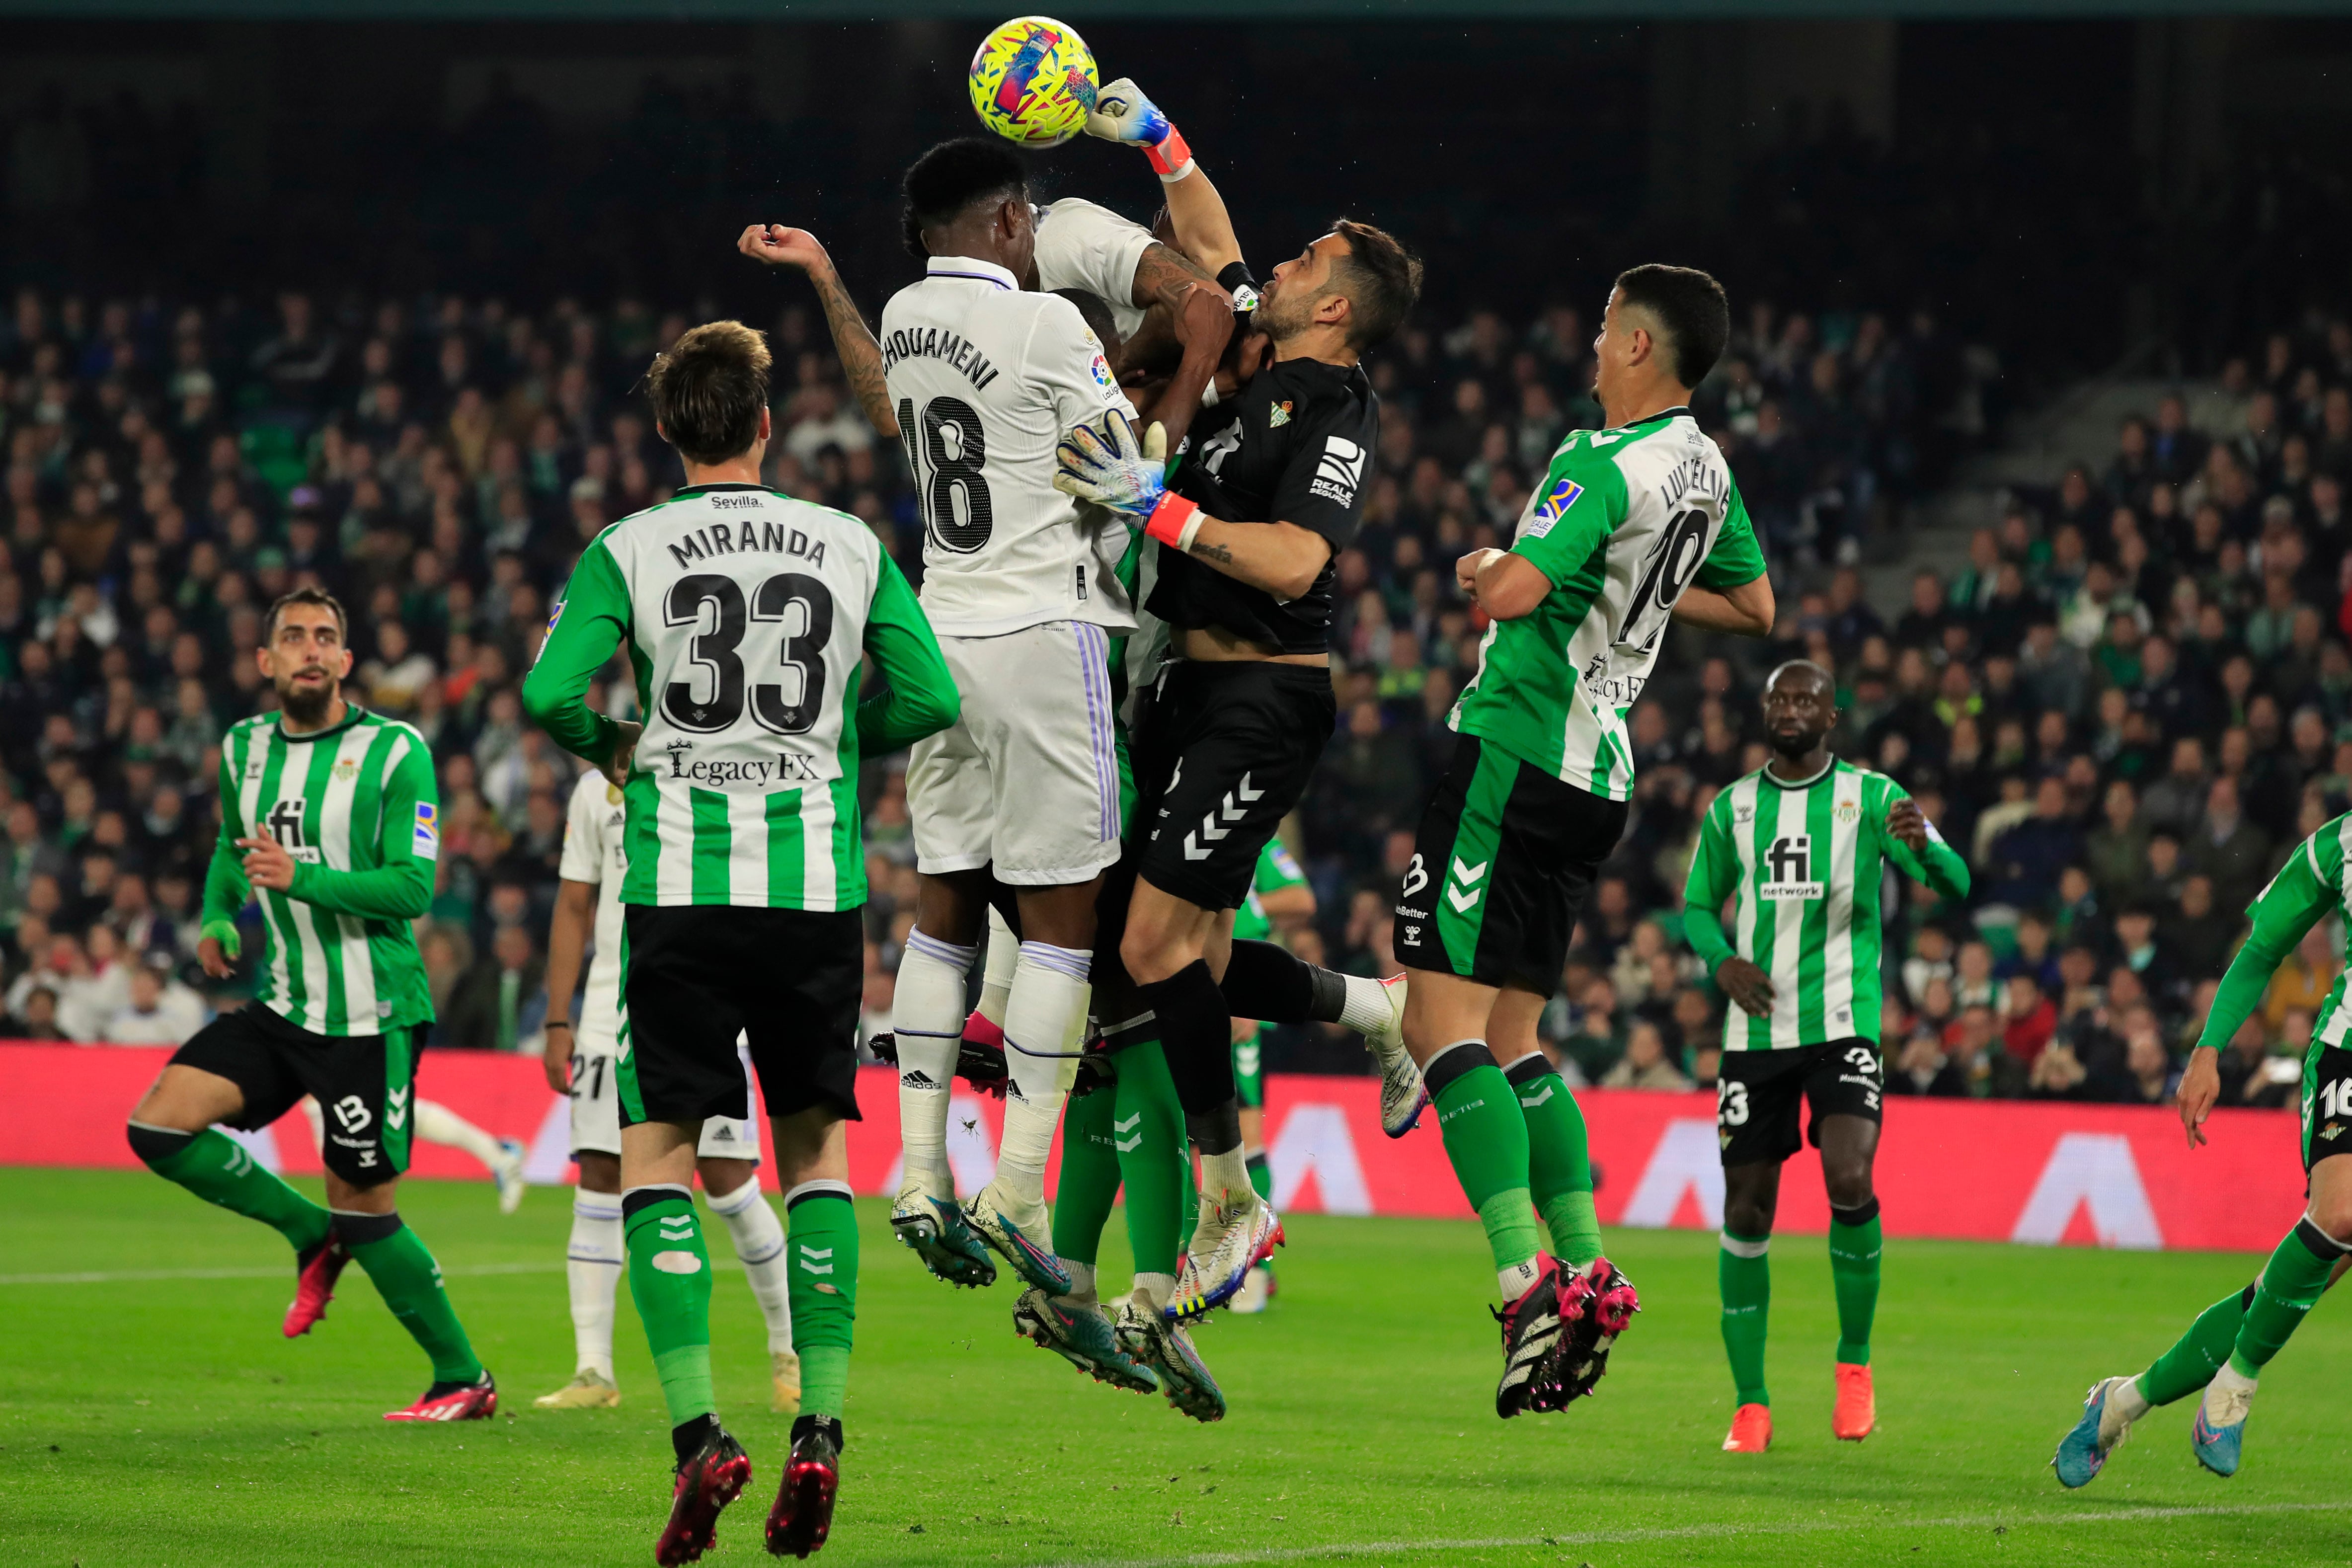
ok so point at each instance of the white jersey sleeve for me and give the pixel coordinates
(583, 831)
(1083, 245)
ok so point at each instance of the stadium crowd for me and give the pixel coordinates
(2134, 700)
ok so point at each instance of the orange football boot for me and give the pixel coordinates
(1857, 1407)
(1751, 1430)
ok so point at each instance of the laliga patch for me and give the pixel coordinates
(1101, 371)
(1245, 302)
(1549, 509)
(426, 843)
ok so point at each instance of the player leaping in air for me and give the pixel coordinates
(983, 379)
(1799, 848)
(2223, 1352)
(750, 616)
(1247, 531)
(329, 820)
(1632, 525)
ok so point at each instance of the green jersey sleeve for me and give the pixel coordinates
(2301, 895)
(1572, 513)
(1940, 866)
(1735, 560)
(590, 621)
(408, 836)
(921, 698)
(1713, 872)
(225, 888)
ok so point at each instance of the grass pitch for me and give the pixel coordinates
(153, 1415)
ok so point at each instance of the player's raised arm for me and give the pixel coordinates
(2298, 898)
(590, 619)
(921, 698)
(773, 245)
(1204, 229)
(1203, 324)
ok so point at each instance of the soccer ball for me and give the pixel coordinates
(1032, 81)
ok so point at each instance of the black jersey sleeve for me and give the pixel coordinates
(1323, 482)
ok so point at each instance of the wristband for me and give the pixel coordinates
(1174, 521)
(1170, 158)
(556, 1024)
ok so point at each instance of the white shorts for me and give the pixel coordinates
(1028, 779)
(596, 1110)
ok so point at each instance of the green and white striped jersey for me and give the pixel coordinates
(357, 809)
(1624, 521)
(1803, 863)
(749, 616)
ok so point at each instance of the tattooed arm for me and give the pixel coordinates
(1164, 273)
(773, 245)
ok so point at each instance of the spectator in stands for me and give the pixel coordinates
(158, 1011)
(1645, 1064)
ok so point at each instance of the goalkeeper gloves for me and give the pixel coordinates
(1121, 113)
(1108, 468)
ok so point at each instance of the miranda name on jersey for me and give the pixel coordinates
(937, 343)
(723, 538)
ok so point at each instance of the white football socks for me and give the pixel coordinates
(1225, 1177)
(996, 969)
(1367, 1009)
(592, 1268)
(1082, 1283)
(436, 1123)
(1044, 1025)
(759, 1239)
(927, 1017)
(1513, 1282)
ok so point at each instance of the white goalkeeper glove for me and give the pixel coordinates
(1121, 113)
(1109, 467)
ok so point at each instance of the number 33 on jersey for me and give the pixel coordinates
(748, 616)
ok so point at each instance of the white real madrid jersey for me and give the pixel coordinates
(986, 380)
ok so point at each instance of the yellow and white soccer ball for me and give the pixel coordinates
(1032, 81)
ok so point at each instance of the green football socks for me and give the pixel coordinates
(670, 1280)
(220, 1170)
(1486, 1140)
(822, 1238)
(1744, 1275)
(1559, 1164)
(1088, 1184)
(2290, 1286)
(1854, 1244)
(1155, 1164)
(2197, 1355)
(409, 1282)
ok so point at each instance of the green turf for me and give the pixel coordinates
(163, 1422)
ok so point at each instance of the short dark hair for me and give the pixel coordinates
(307, 594)
(1381, 280)
(955, 176)
(1690, 305)
(708, 389)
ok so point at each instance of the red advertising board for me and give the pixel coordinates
(1991, 1171)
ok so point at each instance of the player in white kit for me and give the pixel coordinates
(580, 1062)
(982, 379)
